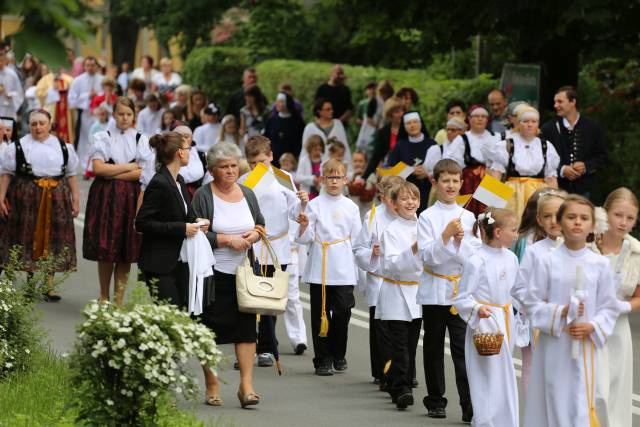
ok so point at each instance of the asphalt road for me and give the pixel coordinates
(298, 398)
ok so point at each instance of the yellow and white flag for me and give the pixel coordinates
(284, 179)
(493, 193)
(463, 199)
(259, 180)
(401, 169)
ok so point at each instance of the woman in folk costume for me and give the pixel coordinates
(400, 268)
(39, 198)
(470, 150)
(614, 367)
(571, 299)
(527, 161)
(119, 156)
(486, 284)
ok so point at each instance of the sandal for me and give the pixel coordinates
(213, 400)
(51, 296)
(248, 399)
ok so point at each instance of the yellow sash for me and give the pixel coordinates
(505, 307)
(524, 179)
(590, 385)
(324, 321)
(453, 278)
(43, 224)
(394, 281)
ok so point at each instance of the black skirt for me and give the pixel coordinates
(223, 316)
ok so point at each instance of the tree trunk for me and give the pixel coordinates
(124, 38)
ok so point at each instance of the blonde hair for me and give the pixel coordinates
(313, 141)
(500, 218)
(405, 187)
(622, 193)
(388, 183)
(290, 157)
(166, 61)
(333, 165)
(226, 119)
(390, 105)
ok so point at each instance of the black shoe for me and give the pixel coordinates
(437, 413)
(404, 400)
(376, 381)
(340, 365)
(324, 370)
(236, 365)
(300, 348)
(467, 414)
(414, 383)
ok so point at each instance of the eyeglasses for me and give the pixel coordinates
(334, 178)
(185, 148)
(453, 130)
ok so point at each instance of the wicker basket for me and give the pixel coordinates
(488, 344)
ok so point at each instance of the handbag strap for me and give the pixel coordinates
(267, 244)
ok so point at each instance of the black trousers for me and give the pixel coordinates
(339, 302)
(76, 140)
(378, 344)
(403, 340)
(265, 338)
(172, 287)
(437, 319)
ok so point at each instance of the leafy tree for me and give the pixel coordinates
(45, 25)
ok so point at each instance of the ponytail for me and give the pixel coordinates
(166, 145)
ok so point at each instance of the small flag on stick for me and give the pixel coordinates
(259, 180)
(463, 199)
(493, 193)
(284, 179)
(401, 169)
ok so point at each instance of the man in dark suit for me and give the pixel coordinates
(578, 140)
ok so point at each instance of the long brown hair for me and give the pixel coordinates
(166, 146)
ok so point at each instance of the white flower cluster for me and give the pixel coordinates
(11, 355)
(146, 348)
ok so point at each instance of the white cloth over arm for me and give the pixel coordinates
(13, 96)
(196, 251)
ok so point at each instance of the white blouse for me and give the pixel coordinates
(206, 136)
(479, 146)
(45, 157)
(231, 219)
(435, 153)
(149, 122)
(527, 157)
(337, 131)
(194, 170)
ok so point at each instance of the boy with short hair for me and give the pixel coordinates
(328, 226)
(445, 240)
(277, 206)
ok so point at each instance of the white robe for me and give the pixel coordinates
(337, 131)
(556, 396)
(531, 254)
(149, 122)
(440, 258)
(398, 262)
(13, 96)
(488, 277)
(206, 135)
(614, 365)
(370, 233)
(293, 315)
(331, 218)
(80, 99)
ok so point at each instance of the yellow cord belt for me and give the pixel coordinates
(453, 278)
(324, 321)
(43, 224)
(590, 385)
(394, 281)
(506, 308)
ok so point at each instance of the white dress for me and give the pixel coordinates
(488, 278)
(398, 262)
(371, 232)
(614, 366)
(557, 395)
(337, 131)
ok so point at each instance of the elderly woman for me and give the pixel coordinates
(166, 81)
(235, 218)
(39, 198)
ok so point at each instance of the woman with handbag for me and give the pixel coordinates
(236, 224)
(165, 218)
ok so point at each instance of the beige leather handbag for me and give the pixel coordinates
(259, 294)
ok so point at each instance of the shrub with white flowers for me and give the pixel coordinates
(19, 333)
(126, 361)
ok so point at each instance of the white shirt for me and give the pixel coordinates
(139, 74)
(45, 157)
(277, 205)
(206, 136)
(194, 170)
(196, 251)
(440, 258)
(33, 103)
(370, 233)
(231, 219)
(434, 155)
(527, 157)
(398, 262)
(331, 218)
(337, 131)
(478, 147)
(80, 90)
(149, 122)
(13, 96)
(162, 83)
(531, 254)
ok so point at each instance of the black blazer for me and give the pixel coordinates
(162, 222)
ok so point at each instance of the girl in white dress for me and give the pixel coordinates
(614, 367)
(571, 299)
(489, 274)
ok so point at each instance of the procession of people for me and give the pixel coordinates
(547, 271)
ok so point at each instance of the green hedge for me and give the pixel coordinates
(218, 71)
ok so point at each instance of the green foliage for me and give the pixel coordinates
(305, 77)
(216, 70)
(610, 93)
(127, 361)
(45, 25)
